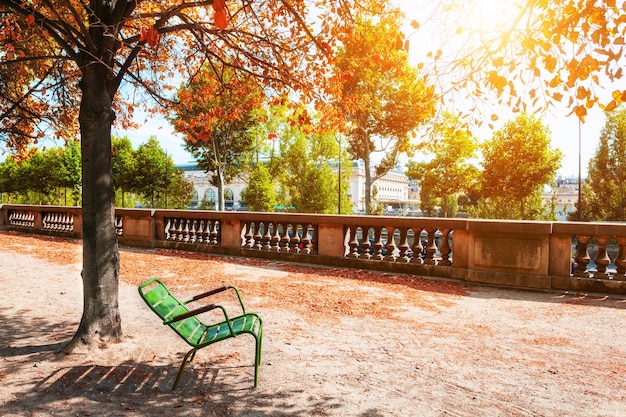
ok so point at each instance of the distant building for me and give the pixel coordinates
(393, 190)
(566, 194)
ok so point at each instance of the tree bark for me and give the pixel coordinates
(101, 321)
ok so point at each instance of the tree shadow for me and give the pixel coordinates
(143, 389)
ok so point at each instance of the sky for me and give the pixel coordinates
(567, 134)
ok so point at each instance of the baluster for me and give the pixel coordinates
(306, 240)
(185, 231)
(353, 242)
(295, 240)
(207, 232)
(582, 257)
(179, 230)
(378, 244)
(249, 236)
(405, 248)
(417, 248)
(174, 230)
(193, 231)
(286, 239)
(215, 233)
(276, 238)
(267, 237)
(56, 222)
(258, 238)
(200, 232)
(390, 246)
(118, 226)
(445, 248)
(168, 223)
(366, 244)
(431, 248)
(620, 260)
(602, 259)
(69, 222)
(63, 221)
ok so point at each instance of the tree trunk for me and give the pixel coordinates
(220, 189)
(101, 321)
(368, 184)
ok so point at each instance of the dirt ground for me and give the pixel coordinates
(336, 343)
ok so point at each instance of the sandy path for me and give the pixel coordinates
(336, 343)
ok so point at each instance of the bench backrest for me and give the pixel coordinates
(166, 306)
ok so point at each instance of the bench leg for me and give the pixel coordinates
(257, 355)
(182, 366)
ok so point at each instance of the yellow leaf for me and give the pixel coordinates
(558, 96)
(415, 24)
(617, 95)
(494, 117)
(555, 81)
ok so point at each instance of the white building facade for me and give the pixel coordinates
(392, 190)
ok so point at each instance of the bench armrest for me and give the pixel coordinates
(192, 313)
(208, 293)
(216, 291)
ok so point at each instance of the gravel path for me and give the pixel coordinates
(336, 343)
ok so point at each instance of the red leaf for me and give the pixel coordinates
(221, 20)
(219, 5)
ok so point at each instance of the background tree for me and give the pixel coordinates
(179, 192)
(533, 55)
(69, 176)
(40, 173)
(517, 163)
(152, 176)
(450, 171)
(382, 97)
(259, 194)
(308, 151)
(9, 178)
(604, 195)
(64, 55)
(124, 167)
(216, 115)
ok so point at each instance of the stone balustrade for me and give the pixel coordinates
(523, 254)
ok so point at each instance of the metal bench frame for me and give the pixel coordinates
(189, 327)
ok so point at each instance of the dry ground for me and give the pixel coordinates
(336, 343)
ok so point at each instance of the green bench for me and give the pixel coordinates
(197, 334)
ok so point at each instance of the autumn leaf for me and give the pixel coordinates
(581, 112)
(152, 37)
(220, 18)
(415, 24)
(611, 106)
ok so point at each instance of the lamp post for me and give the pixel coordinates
(339, 180)
(579, 171)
